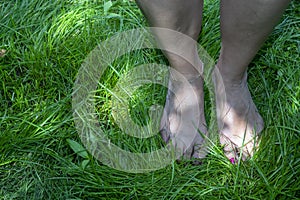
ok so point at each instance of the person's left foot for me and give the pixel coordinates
(238, 119)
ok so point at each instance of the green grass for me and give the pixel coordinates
(46, 42)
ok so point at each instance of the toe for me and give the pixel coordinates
(229, 149)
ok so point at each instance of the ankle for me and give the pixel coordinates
(232, 79)
(182, 80)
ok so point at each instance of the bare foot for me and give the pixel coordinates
(183, 115)
(238, 119)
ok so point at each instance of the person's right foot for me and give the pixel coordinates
(183, 117)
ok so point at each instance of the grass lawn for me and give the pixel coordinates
(42, 46)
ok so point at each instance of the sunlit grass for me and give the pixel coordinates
(41, 157)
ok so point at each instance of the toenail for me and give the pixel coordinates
(232, 160)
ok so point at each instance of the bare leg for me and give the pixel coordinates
(178, 120)
(244, 27)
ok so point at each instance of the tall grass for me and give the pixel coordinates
(45, 42)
